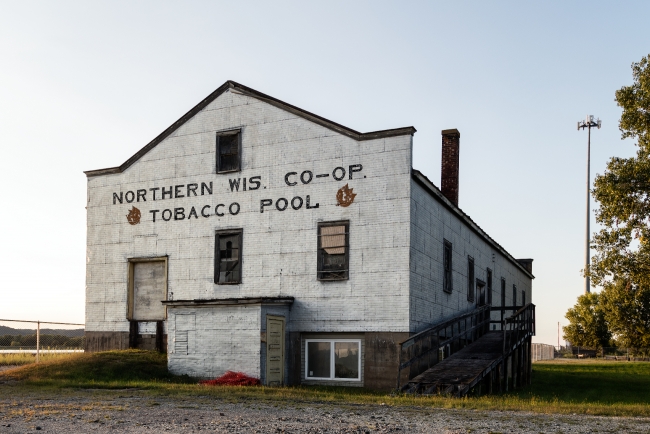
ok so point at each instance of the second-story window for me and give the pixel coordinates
(470, 278)
(489, 287)
(503, 292)
(514, 295)
(333, 251)
(447, 280)
(227, 261)
(228, 151)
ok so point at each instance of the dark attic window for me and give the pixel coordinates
(227, 263)
(333, 251)
(228, 151)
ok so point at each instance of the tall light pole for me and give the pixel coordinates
(588, 123)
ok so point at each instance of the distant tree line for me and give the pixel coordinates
(620, 313)
(56, 341)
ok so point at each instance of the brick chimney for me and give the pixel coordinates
(450, 159)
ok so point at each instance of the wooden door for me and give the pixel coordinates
(274, 350)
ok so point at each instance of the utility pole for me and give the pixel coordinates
(588, 123)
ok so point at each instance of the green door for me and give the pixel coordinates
(274, 350)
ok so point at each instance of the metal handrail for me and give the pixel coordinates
(517, 327)
(479, 324)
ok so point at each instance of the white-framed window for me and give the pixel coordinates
(333, 359)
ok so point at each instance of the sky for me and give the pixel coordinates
(84, 85)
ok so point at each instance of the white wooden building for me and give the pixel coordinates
(252, 235)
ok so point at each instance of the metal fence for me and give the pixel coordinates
(607, 353)
(550, 352)
(40, 337)
(542, 352)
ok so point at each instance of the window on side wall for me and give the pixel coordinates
(227, 257)
(333, 251)
(470, 278)
(228, 151)
(489, 287)
(514, 295)
(447, 280)
(503, 292)
(523, 297)
(328, 359)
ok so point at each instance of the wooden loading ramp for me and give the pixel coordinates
(463, 355)
(463, 370)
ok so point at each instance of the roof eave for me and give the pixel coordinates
(437, 194)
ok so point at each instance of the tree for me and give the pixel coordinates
(626, 309)
(587, 326)
(623, 245)
(622, 261)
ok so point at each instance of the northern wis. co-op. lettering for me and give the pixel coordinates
(235, 185)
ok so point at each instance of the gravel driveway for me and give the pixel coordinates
(138, 412)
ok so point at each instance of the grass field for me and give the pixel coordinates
(19, 359)
(581, 387)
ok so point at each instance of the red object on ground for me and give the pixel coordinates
(231, 378)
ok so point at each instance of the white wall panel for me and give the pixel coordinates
(432, 223)
(279, 247)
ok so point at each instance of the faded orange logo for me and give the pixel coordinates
(133, 216)
(345, 196)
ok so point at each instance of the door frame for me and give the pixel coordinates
(283, 320)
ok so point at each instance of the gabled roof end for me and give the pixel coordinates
(244, 90)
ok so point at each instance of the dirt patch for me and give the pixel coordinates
(137, 412)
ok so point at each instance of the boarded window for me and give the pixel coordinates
(470, 278)
(447, 285)
(180, 342)
(228, 152)
(185, 330)
(228, 254)
(148, 288)
(333, 251)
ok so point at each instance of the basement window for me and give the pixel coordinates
(470, 278)
(228, 151)
(327, 359)
(446, 281)
(333, 251)
(227, 261)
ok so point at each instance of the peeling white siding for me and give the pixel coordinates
(212, 347)
(431, 223)
(279, 248)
